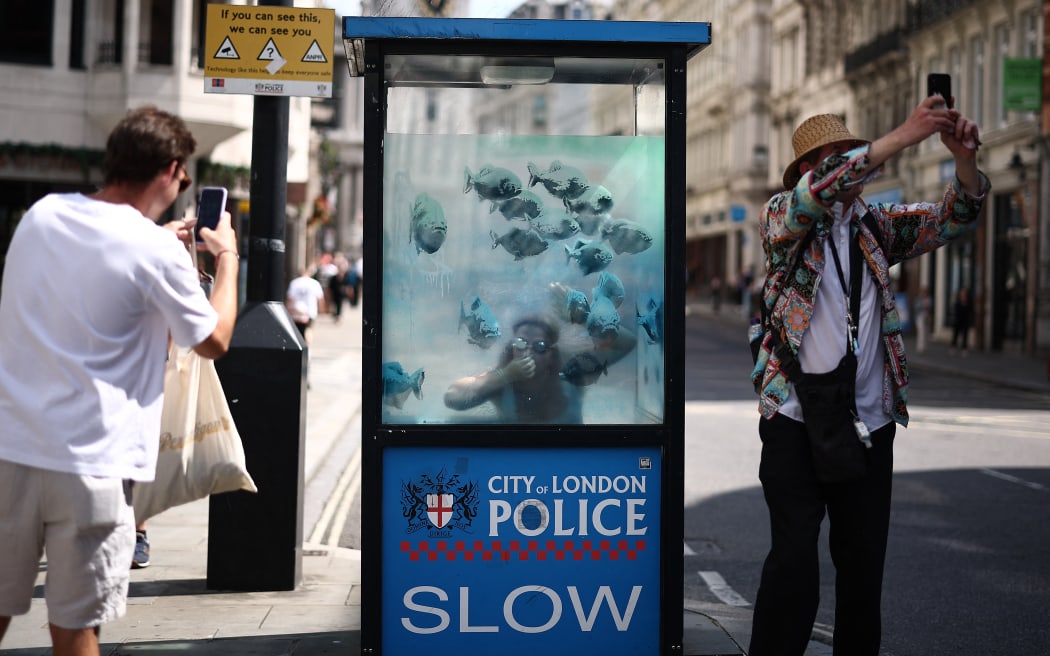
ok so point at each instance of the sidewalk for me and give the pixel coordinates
(171, 612)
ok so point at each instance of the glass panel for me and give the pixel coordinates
(523, 241)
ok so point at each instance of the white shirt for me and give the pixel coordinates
(824, 343)
(90, 293)
(303, 295)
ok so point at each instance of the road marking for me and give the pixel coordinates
(719, 588)
(687, 551)
(1013, 479)
(347, 501)
(333, 502)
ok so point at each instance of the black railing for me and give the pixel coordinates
(884, 44)
(925, 13)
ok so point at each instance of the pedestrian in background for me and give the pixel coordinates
(962, 319)
(305, 300)
(809, 233)
(82, 376)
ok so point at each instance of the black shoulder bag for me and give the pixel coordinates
(837, 436)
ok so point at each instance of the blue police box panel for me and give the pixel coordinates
(542, 550)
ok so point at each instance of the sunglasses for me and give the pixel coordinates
(184, 179)
(539, 346)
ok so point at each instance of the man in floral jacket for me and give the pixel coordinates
(804, 229)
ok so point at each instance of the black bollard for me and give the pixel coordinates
(255, 540)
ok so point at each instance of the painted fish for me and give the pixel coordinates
(525, 205)
(553, 225)
(652, 322)
(397, 384)
(520, 243)
(611, 287)
(428, 227)
(590, 255)
(603, 318)
(493, 183)
(595, 201)
(583, 369)
(481, 323)
(626, 236)
(564, 182)
(577, 306)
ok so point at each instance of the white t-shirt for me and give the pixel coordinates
(824, 343)
(90, 293)
(303, 295)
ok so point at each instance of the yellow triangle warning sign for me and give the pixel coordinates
(315, 54)
(270, 52)
(226, 50)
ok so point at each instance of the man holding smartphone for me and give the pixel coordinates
(82, 374)
(817, 318)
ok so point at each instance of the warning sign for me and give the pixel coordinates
(269, 50)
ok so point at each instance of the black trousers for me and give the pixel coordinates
(859, 517)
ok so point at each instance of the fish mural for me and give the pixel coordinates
(481, 323)
(592, 209)
(554, 226)
(520, 243)
(398, 384)
(525, 206)
(428, 227)
(603, 318)
(590, 255)
(611, 287)
(493, 183)
(652, 322)
(626, 236)
(560, 181)
(583, 369)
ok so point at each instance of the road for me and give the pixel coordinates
(968, 563)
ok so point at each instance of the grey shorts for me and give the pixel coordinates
(86, 524)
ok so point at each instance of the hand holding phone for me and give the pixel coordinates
(210, 206)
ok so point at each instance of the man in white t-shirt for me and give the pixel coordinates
(305, 300)
(82, 374)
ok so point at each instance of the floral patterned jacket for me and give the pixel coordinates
(907, 231)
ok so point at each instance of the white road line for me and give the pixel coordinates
(721, 589)
(1013, 479)
(687, 551)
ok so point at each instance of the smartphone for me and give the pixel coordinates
(210, 206)
(940, 84)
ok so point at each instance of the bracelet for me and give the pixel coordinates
(226, 250)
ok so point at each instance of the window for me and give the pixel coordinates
(976, 90)
(999, 53)
(157, 24)
(25, 32)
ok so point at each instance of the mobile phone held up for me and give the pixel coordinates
(940, 84)
(210, 206)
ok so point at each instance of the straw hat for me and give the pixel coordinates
(815, 133)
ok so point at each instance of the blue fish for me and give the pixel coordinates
(481, 323)
(583, 369)
(493, 183)
(611, 287)
(652, 322)
(590, 255)
(554, 226)
(577, 306)
(603, 318)
(626, 236)
(520, 243)
(525, 205)
(428, 226)
(397, 383)
(560, 181)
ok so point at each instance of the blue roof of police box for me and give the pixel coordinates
(695, 36)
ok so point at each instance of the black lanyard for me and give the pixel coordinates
(853, 291)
